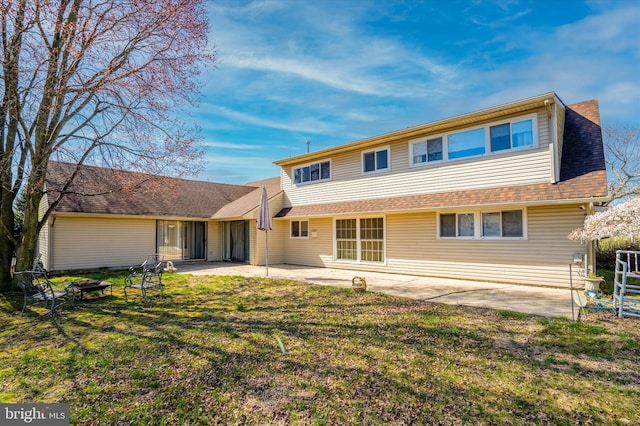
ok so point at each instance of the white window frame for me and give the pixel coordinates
(300, 237)
(457, 236)
(511, 121)
(425, 140)
(375, 152)
(311, 182)
(487, 141)
(502, 210)
(478, 232)
(359, 240)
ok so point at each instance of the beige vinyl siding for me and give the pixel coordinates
(412, 247)
(258, 249)
(92, 242)
(518, 167)
(275, 235)
(314, 251)
(43, 237)
(43, 245)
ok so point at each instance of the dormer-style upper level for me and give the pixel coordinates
(515, 144)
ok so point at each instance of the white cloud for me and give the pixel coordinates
(326, 48)
(309, 125)
(228, 145)
(611, 31)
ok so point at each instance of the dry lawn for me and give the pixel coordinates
(231, 350)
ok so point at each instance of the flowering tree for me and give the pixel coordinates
(92, 82)
(621, 220)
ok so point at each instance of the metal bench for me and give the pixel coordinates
(37, 288)
(147, 276)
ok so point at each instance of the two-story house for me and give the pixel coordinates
(489, 195)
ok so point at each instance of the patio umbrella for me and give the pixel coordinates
(264, 223)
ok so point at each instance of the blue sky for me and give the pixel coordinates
(333, 72)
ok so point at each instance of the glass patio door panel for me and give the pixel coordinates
(178, 240)
(194, 241)
(169, 235)
(235, 242)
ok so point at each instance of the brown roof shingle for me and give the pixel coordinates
(250, 201)
(583, 187)
(105, 191)
(583, 148)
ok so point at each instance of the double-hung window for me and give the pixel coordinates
(372, 239)
(360, 239)
(346, 239)
(376, 161)
(299, 229)
(314, 172)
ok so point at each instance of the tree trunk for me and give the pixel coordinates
(7, 249)
(27, 248)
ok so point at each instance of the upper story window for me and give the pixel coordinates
(466, 144)
(427, 151)
(511, 135)
(520, 132)
(375, 161)
(314, 172)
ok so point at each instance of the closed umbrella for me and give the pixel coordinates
(264, 223)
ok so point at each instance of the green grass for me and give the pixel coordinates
(233, 350)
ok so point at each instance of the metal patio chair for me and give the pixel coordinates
(147, 276)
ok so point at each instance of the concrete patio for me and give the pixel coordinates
(550, 302)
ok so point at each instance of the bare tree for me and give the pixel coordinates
(622, 149)
(92, 82)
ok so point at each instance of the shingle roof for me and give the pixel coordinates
(157, 196)
(250, 201)
(583, 149)
(582, 187)
(583, 176)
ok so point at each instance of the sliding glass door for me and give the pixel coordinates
(181, 240)
(235, 241)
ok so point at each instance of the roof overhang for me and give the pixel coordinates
(588, 188)
(409, 210)
(488, 114)
(128, 216)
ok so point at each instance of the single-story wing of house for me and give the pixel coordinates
(490, 195)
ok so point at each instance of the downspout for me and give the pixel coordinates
(590, 264)
(50, 254)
